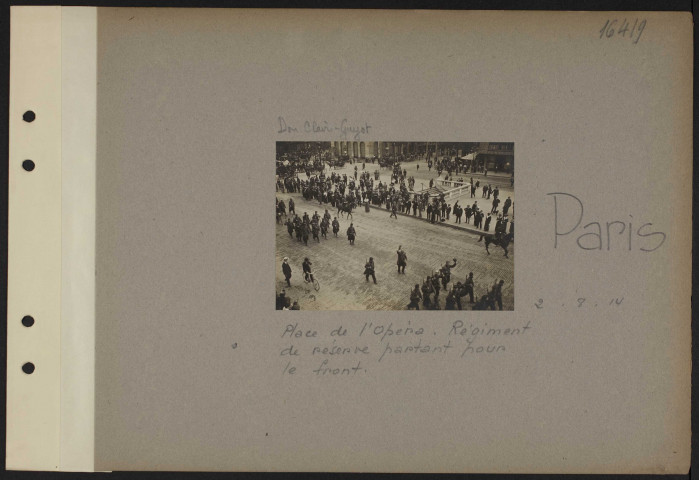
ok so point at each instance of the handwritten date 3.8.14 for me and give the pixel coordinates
(615, 28)
(581, 302)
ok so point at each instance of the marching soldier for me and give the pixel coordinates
(451, 300)
(468, 286)
(435, 286)
(415, 297)
(315, 231)
(426, 291)
(351, 233)
(483, 303)
(445, 272)
(324, 228)
(304, 233)
(336, 226)
(496, 294)
(298, 226)
(458, 293)
(402, 259)
(369, 269)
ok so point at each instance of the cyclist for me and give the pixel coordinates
(307, 273)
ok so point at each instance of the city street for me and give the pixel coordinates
(423, 175)
(339, 266)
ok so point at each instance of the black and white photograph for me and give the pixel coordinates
(395, 225)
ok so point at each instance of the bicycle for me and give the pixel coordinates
(313, 280)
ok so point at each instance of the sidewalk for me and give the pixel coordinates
(467, 227)
(501, 180)
(424, 175)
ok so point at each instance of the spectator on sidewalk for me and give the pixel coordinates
(506, 205)
(286, 269)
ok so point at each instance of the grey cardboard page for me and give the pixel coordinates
(585, 369)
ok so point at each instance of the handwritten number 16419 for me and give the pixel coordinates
(614, 27)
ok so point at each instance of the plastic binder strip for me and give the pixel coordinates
(79, 85)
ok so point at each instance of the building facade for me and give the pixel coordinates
(360, 149)
(496, 156)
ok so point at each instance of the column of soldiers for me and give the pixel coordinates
(313, 227)
(428, 292)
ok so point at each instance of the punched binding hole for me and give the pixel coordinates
(29, 116)
(27, 320)
(28, 368)
(28, 165)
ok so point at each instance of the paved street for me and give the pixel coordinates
(339, 266)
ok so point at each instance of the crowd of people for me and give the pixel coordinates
(346, 192)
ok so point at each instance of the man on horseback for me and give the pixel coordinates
(503, 241)
(345, 207)
(498, 231)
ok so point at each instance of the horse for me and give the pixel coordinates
(346, 208)
(503, 242)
